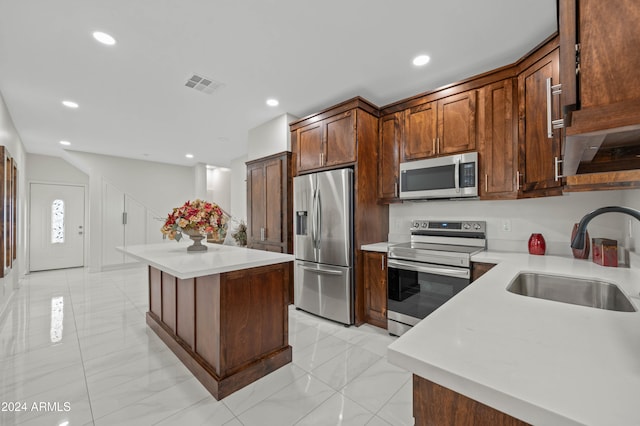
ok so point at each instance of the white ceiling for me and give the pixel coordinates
(309, 55)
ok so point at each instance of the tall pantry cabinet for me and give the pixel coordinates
(270, 205)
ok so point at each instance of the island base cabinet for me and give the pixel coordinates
(435, 405)
(228, 329)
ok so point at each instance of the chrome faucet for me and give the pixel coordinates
(578, 240)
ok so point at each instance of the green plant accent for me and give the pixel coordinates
(240, 236)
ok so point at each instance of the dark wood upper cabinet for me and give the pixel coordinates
(340, 139)
(457, 123)
(599, 67)
(498, 148)
(539, 154)
(327, 143)
(442, 127)
(388, 166)
(420, 126)
(310, 147)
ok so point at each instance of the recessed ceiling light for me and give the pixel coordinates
(70, 104)
(272, 102)
(421, 60)
(65, 143)
(104, 38)
(189, 155)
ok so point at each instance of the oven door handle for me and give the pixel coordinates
(410, 266)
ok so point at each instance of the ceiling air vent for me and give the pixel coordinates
(203, 84)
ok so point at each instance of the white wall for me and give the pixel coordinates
(238, 187)
(159, 187)
(552, 216)
(219, 187)
(10, 139)
(270, 138)
(45, 168)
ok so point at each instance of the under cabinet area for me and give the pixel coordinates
(478, 269)
(375, 284)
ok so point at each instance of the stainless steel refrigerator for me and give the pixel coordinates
(323, 244)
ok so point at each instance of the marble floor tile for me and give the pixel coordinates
(113, 370)
(399, 409)
(288, 405)
(345, 367)
(337, 410)
(376, 385)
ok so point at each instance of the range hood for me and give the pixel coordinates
(602, 139)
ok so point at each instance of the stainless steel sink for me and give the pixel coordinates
(577, 291)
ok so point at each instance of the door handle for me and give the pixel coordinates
(321, 271)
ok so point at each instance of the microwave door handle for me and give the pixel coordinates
(463, 273)
(456, 175)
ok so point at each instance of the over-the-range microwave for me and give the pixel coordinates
(453, 176)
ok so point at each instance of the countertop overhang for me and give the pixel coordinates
(541, 361)
(172, 257)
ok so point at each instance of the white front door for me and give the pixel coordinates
(57, 229)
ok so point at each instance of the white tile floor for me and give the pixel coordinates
(75, 350)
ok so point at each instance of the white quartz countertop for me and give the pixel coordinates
(380, 247)
(173, 258)
(544, 362)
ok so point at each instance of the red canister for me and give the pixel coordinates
(537, 244)
(605, 252)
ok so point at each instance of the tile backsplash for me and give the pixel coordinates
(511, 222)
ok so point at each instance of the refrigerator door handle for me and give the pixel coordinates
(319, 214)
(313, 218)
(321, 271)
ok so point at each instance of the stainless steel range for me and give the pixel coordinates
(430, 269)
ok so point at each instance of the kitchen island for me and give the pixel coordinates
(513, 359)
(223, 312)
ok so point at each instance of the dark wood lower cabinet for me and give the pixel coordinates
(229, 329)
(435, 405)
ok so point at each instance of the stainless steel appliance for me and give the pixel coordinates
(453, 176)
(323, 244)
(430, 269)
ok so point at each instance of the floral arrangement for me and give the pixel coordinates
(196, 217)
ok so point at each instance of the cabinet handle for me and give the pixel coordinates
(554, 90)
(518, 174)
(395, 188)
(261, 234)
(486, 182)
(437, 145)
(382, 262)
(434, 146)
(557, 175)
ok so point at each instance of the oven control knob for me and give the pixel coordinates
(466, 226)
(476, 226)
(416, 224)
(424, 224)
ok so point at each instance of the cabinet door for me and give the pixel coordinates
(538, 152)
(256, 203)
(273, 171)
(340, 139)
(390, 140)
(609, 55)
(498, 142)
(310, 147)
(420, 132)
(457, 123)
(375, 281)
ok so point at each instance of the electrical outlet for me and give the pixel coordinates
(506, 225)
